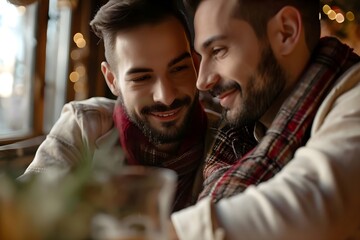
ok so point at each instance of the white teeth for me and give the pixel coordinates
(165, 115)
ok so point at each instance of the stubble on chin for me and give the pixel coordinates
(259, 95)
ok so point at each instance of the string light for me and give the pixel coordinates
(81, 70)
(78, 76)
(337, 13)
(74, 76)
(350, 16)
(340, 18)
(326, 8)
(332, 15)
(79, 40)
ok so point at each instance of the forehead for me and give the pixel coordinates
(213, 17)
(217, 7)
(153, 42)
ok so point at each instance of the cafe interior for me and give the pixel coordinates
(49, 56)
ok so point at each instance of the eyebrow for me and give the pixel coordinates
(171, 63)
(179, 58)
(138, 70)
(209, 41)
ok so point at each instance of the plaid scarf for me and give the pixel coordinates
(227, 173)
(139, 151)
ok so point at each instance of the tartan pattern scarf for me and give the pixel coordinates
(227, 174)
(139, 151)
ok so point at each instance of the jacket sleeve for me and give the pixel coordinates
(72, 139)
(316, 196)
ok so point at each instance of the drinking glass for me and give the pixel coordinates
(139, 205)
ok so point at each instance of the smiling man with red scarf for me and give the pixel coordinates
(157, 119)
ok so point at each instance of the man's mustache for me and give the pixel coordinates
(218, 89)
(163, 108)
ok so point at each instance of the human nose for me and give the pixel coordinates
(165, 91)
(206, 78)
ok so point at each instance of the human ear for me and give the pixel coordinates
(285, 30)
(110, 78)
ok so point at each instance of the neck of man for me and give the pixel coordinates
(292, 79)
(169, 148)
(293, 65)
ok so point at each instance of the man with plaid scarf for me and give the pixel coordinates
(285, 163)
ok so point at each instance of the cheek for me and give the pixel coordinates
(190, 81)
(233, 70)
(242, 60)
(190, 88)
(239, 68)
(133, 100)
(186, 83)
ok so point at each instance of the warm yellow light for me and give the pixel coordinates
(350, 16)
(74, 76)
(81, 70)
(326, 8)
(340, 18)
(81, 43)
(79, 87)
(77, 36)
(332, 15)
(75, 55)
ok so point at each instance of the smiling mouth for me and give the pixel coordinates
(167, 116)
(225, 94)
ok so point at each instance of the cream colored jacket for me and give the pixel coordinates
(84, 133)
(315, 197)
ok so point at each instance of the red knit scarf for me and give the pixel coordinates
(289, 130)
(139, 151)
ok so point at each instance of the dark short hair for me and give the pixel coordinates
(258, 12)
(119, 15)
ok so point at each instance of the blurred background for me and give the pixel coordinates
(341, 18)
(49, 56)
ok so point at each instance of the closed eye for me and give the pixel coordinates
(140, 79)
(218, 51)
(179, 68)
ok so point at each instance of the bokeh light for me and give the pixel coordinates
(350, 16)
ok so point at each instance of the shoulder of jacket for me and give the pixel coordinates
(353, 73)
(94, 115)
(347, 85)
(348, 81)
(100, 105)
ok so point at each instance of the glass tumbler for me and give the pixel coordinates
(138, 205)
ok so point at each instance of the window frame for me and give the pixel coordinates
(38, 77)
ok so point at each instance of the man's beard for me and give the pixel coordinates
(257, 99)
(170, 133)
